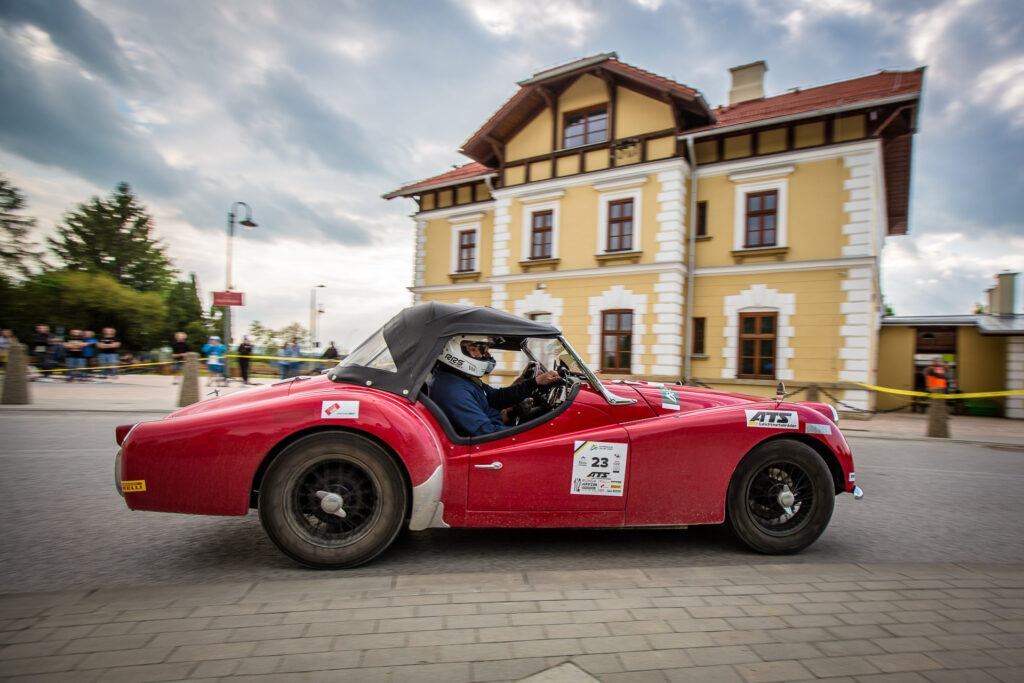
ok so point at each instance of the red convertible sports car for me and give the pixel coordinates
(338, 464)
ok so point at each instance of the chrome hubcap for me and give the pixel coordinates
(331, 503)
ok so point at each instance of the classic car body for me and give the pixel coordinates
(338, 464)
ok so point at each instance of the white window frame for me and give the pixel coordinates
(528, 210)
(781, 187)
(457, 228)
(606, 198)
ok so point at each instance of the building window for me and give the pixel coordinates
(762, 212)
(702, 219)
(620, 225)
(585, 127)
(540, 240)
(467, 251)
(757, 345)
(698, 336)
(616, 340)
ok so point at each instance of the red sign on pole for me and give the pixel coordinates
(227, 299)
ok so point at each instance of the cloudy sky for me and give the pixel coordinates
(310, 110)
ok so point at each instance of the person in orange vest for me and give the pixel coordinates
(936, 377)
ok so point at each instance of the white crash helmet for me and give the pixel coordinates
(453, 355)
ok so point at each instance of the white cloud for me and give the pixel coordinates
(507, 18)
(1002, 86)
(651, 5)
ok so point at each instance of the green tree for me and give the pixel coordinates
(92, 301)
(272, 339)
(19, 256)
(183, 307)
(114, 236)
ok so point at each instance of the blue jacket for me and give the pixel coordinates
(472, 406)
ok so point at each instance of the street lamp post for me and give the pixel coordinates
(245, 223)
(314, 317)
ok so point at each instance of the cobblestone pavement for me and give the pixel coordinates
(781, 622)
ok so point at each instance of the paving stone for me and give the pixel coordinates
(668, 641)
(914, 644)
(908, 661)
(639, 627)
(704, 674)
(1010, 656)
(960, 676)
(105, 644)
(899, 677)
(476, 620)
(413, 624)
(635, 677)
(965, 659)
(505, 669)
(908, 630)
(442, 610)
(340, 628)
(216, 668)
(512, 607)
(475, 652)
(781, 599)
(786, 651)
(830, 608)
(244, 620)
(723, 654)
(456, 636)
(319, 661)
(398, 656)
(848, 648)
(869, 632)
(858, 618)
(658, 659)
(808, 620)
(919, 616)
(290, 646)
(118, 658)
(555, 647)
(614, 644)
(198, 653)
(540, 618)
(146, 672)
(800, 635)
(494, 596)
(771, 672)
(750, 623)
(39, 665)
(595, 630)
(742, 637)
(840, 666)
(768, 610)
(177, 638)
(601, 615)
(1008, 674)
(255, 666)
(963, 642)
(224, 610)
(45, 648)
(716, 611)
(431, 673)
(690, 625)
(276, 632)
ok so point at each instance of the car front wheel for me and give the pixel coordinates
(331, 501)
(780, 498)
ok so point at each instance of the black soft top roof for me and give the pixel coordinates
(417, 334)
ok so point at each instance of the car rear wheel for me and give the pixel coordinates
(780, 498)
(331, 501)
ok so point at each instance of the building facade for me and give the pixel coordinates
(735, 246)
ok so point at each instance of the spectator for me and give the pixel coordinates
(936, 377)
(40, 351)
(89, 351)
(244, 351)
(109, 347)
(290, 368)
(178, 350)
(73, 350)
(6, 339)
(215, 351)
(331, 351)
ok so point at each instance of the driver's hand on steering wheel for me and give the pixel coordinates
(546, 378)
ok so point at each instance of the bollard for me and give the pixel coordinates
(16, 380)
(812, 392)
(938, 419)
(189, 393)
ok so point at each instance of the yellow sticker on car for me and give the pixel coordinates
(133, 486)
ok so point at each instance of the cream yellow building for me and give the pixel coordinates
(735, 246)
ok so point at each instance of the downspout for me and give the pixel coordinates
(690, 260)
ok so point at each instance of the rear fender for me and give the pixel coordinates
(412, 437)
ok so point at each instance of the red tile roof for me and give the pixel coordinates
(470, 170)
(875, 87)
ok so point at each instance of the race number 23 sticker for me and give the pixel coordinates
(598, 468)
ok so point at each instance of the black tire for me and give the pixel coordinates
(363, 474)
(755, 507)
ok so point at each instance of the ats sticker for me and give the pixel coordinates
(669, 399)
(598, 468)
(339, 410)
(133, 486)
(813, 428)
(776, 419)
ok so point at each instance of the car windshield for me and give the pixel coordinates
(372, 353)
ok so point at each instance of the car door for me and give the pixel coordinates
(577, 462)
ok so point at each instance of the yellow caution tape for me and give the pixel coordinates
(904, 392)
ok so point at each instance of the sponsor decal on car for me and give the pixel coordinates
(814, 428)
(133, 486)
(598, 468)
(775, 419)
(669, 399)
(853, 476)
(339, 410)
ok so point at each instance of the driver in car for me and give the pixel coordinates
(473, 406)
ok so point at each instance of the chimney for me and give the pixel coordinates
(747, 82)
(1001, 298)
